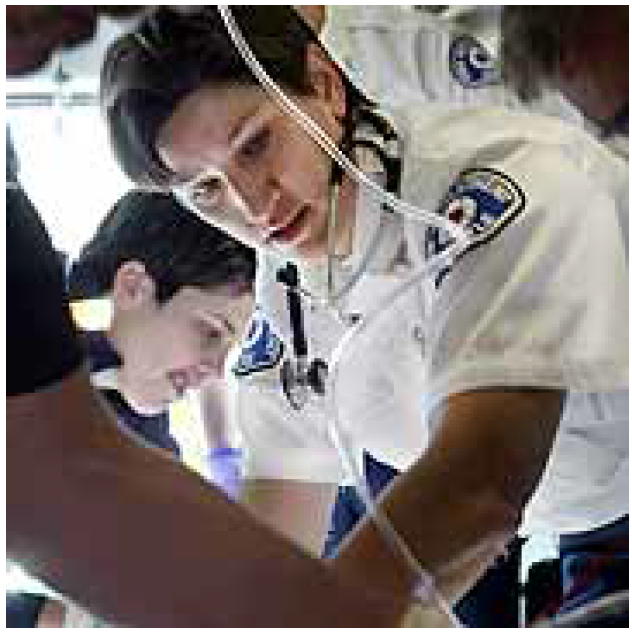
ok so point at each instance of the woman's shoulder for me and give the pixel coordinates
(435, 130)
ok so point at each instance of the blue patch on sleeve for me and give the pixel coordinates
(262, 349)
(471, 64)
(483, 201)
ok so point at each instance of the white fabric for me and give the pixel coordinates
(543, 304)
(546, 305)
(400, 54)
(19, 580)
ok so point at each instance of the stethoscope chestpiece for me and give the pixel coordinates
(299, 377)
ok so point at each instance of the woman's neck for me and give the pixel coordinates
(346, 216)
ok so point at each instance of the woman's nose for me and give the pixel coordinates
(259, 197)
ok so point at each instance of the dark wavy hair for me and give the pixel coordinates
(176, 247)
(174, 51)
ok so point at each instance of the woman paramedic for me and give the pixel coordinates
(500, 385)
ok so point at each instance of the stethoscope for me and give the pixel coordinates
(302, 377)
(373, 133)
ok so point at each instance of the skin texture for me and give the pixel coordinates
(313, 14)
(196, 329)
(261, 169)
(52, 615)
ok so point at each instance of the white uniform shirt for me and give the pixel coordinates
(540, 302)
(403, 54)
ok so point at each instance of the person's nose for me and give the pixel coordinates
(259, 198)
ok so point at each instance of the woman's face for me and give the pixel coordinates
(254, 171)
(170, 347)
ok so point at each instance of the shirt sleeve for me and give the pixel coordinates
(42, 343)
(543, 300)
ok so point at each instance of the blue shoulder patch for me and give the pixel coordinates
(471, 64)
(262, 349)
(483, 201)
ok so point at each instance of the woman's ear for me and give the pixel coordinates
(326, 79)
(132, 287)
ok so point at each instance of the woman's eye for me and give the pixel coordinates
(257, 144)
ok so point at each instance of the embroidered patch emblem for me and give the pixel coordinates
(262, 349)
(471, 64)
(483, 201)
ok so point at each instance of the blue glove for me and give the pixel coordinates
(223, 469)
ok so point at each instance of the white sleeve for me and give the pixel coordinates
(278, 441)
(543, 302)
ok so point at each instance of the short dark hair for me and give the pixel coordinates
(533, 40)
(174, 51)
(176, 247)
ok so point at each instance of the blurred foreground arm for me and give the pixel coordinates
(460, 504)
(140, 541)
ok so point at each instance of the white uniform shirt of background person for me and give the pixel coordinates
(542, 301)
(404, 54)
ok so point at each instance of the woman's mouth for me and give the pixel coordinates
(291, 231)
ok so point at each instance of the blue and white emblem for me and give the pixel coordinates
(262, 349)
(471, 64)
(482, 201)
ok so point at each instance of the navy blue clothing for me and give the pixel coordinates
(349, 507)
(154, 429)
(591, 566)
(594, 564)
(619, 124)
(23, 610)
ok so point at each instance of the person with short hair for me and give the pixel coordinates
(500, 387)
(169, 277)
(173, 278)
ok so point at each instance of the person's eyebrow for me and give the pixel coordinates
(238, 126)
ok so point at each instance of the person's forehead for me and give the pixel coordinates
(224, 299)
(217, 109)
(207, 117)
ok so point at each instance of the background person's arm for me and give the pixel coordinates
(138, 540)
(459, 504)
(223, 454)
